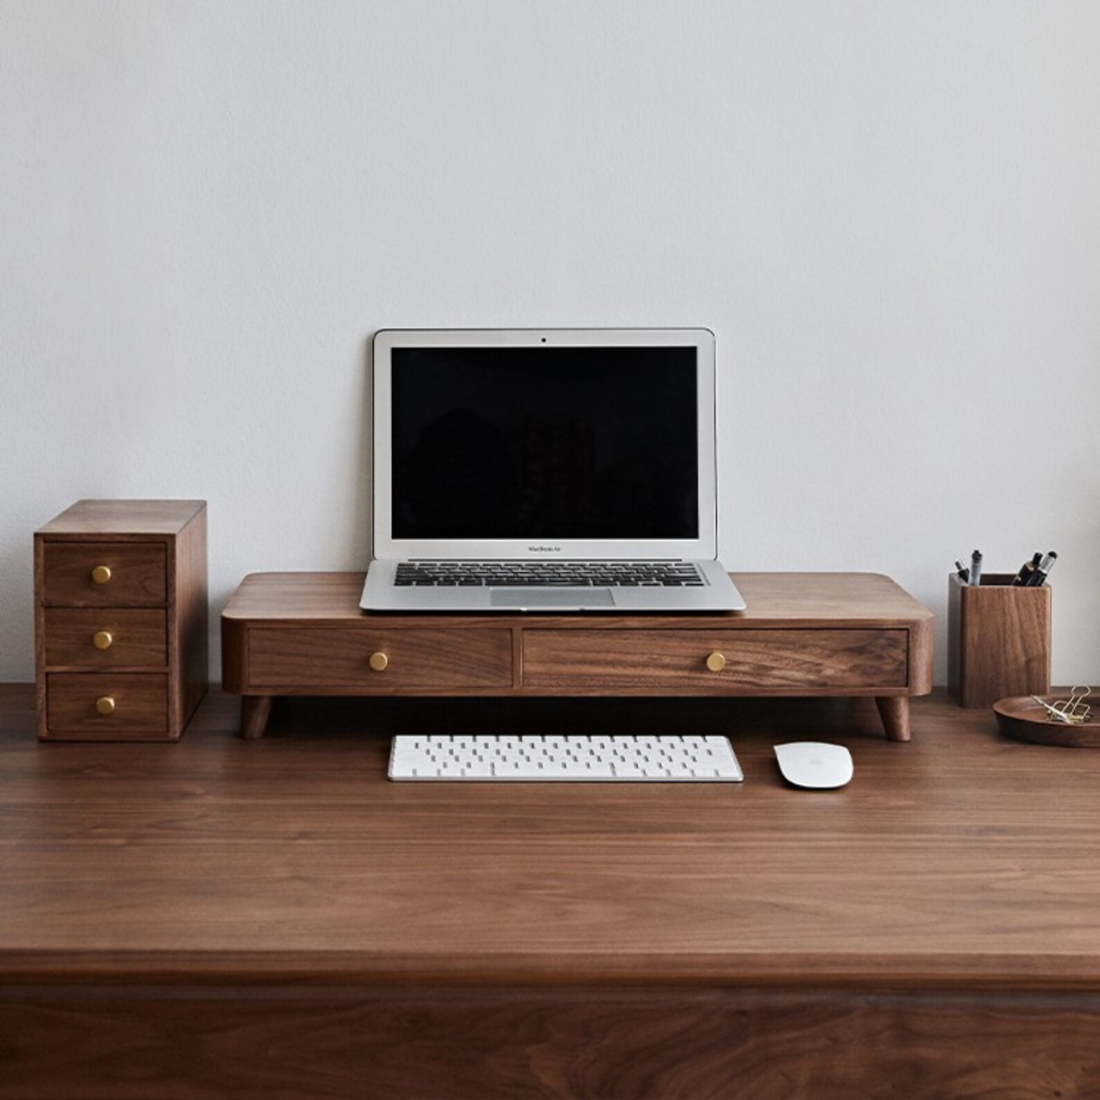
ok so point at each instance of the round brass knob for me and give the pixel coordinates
(105, 705)
(101, 574)
(102, 639)
(378, 661)
(716, 662)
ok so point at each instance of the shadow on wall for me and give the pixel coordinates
(362, 510)
(17, 593)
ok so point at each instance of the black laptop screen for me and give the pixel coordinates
(545, 443)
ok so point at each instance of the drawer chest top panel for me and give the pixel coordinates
(127, 519)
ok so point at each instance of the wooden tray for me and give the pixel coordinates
(1024, 719)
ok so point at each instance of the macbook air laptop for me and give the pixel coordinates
(545, 470)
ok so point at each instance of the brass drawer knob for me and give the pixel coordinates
(101, 574)
(105, 705)
(378, 661)
(716, 662)
(102, 639)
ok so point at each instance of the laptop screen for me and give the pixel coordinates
(523, 443)
(544, 443)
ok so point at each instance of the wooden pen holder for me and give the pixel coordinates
(998, 640)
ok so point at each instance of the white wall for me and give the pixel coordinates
(889, 213)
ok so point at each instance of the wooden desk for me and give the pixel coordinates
(803, 634)
(275, 919)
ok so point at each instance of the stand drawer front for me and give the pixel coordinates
(105, 638)
(136, 574)
(751, 661)
(103, 705)
(381, 661)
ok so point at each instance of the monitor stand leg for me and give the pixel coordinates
(894, 710)
(255, 711)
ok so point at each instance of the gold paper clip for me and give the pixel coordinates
(1072, 711)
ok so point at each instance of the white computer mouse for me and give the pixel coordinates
(814, 764)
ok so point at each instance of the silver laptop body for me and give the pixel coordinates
(503, 449)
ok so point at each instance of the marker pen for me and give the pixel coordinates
(1039, 574)
(976, 567)
(1023, 577)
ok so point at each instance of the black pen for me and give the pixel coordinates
(976, 567)
(964, 573)
(1039, 573)
(1023, 577)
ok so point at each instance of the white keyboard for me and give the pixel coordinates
(683, 759)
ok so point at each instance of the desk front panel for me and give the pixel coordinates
(587, 1043)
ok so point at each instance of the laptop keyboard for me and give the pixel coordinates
(566, 574)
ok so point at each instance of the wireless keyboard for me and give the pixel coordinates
(683, 759)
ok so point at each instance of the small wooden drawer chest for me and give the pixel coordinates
(121, 647)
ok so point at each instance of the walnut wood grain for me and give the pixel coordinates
(655, 661)
(139, 637)
(1024, 717)
(894, 711)
(188, 614)
(630, 1044)
(153, 604)
(140, 704)
(121, 519)
(964, 859)
(212, 918)
(998, 640)
(255, 711)
(801, 600)
(138, 574)
(324, 660)
(809, 634)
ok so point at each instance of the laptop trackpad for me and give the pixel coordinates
(551, 597)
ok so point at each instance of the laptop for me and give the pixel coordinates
(545, 470)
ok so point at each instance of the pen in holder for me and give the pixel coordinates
(998, 639)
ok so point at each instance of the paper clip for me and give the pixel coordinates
(1072, 711)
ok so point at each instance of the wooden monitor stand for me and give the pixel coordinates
(803, 634)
